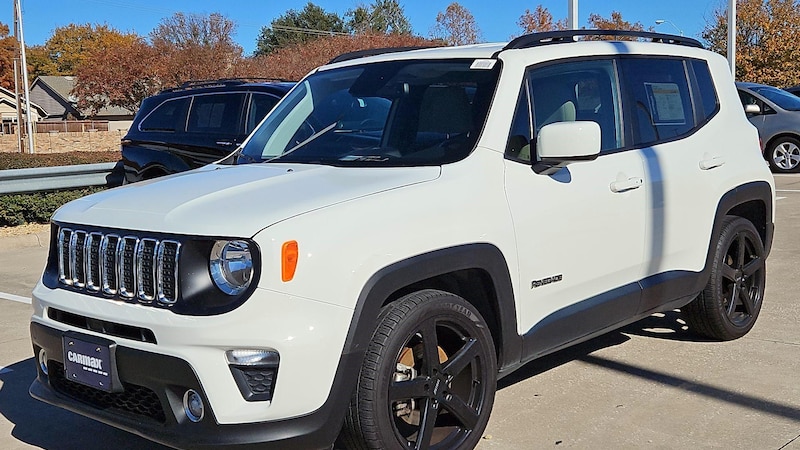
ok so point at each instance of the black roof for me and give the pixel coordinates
(248, 84)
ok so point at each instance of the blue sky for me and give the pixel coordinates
(497, 19)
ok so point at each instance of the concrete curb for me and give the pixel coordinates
(40, 239)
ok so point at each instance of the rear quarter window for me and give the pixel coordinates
(659, 97)
(169, 116)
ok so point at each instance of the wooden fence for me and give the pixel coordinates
(72, 126)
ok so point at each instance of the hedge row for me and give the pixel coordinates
(25, 160)
(37, 207)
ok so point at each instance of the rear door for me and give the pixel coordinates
(214, 126)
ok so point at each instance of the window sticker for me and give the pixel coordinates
(666, 104)
(483, 64)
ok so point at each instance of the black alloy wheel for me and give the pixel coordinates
(429, 377)
(729, 305)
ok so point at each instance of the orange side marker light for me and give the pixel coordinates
(289, 256)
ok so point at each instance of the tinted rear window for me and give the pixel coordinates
(217, 113)
(168, 116)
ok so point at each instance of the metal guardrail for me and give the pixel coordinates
(20, 181)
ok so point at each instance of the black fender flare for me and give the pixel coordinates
(395, 277)
(756, 191)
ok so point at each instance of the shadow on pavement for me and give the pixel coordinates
(667, 325)
(44, 426)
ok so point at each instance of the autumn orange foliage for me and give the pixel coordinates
(292, 63)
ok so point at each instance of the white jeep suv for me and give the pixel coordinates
(403, 229)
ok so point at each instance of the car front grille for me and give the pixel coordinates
(128, 267)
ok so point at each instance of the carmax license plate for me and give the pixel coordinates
(89, 360)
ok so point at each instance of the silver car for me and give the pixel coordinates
(776, 114)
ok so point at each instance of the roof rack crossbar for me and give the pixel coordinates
(557, 37)
(372, 52)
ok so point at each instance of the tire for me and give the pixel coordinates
(729, 305)
(784, 155)
(422, 393)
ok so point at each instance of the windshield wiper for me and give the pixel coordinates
(307, 141)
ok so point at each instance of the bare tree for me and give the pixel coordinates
(539, 20)
(456, 26)
(195, 47)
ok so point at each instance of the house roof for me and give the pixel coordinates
(63, 85)
(9, 98)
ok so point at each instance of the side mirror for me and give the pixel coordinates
(561, 143)
(752, 109)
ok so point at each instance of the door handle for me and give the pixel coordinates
(709, 162)
(225, 143)
(623, 184)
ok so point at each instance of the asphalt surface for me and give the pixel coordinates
(650, 385)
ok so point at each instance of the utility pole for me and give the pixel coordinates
(572, 14)
(732, 36)
(24, 69)
(20, 145)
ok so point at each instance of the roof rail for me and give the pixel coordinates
(557, 37)
(193, 84)
(371, 52)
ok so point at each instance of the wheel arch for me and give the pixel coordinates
(751, 201)
(476, 272)
(784, 134)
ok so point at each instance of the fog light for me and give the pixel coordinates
(43, 361)
(193, 405)
(254, 372)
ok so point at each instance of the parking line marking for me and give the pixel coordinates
(779, 198)
(5, 370)
(787, 190)
(15, 298)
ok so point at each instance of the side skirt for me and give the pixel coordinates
(609, 311)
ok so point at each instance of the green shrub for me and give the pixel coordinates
(37, 207)
(25, 160)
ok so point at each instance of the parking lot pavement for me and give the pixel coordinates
(649, 385)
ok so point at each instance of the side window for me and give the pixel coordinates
(168, 116)
(662, 106)
(579, 90)
(706, 94)
(260, 105)
(749, 99)
(519, 138)
(218, 113)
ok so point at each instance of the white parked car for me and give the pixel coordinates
(400, 231)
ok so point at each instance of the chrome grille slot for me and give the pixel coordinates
(126, 260)
(146, 269)
(76, 258)
(108, 255)
(167, 262)
(93, 260)
(64, 273)
(131, 268)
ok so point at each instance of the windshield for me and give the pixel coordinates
(397, 113)
(785, 100)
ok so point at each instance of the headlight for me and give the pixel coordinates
(231, 265)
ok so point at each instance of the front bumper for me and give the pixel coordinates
(152, 403)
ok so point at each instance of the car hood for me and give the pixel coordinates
(236, 201)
